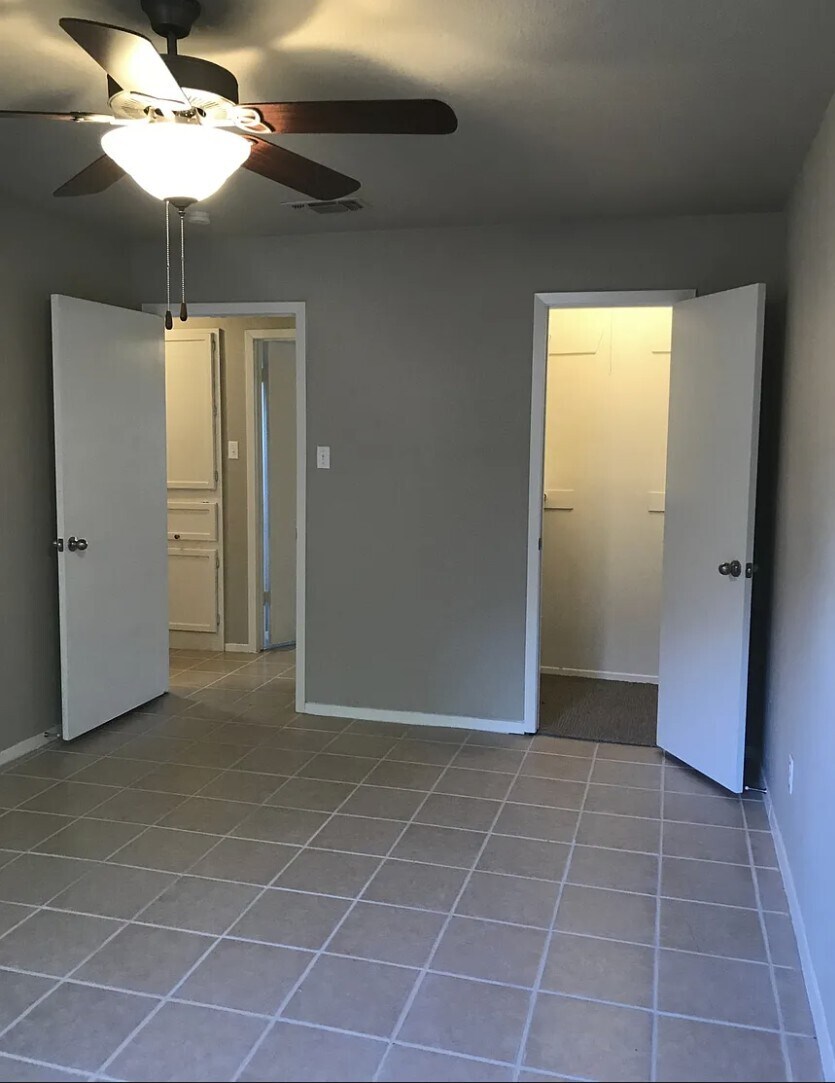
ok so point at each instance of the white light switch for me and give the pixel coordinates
(323, 458)
(233, 449)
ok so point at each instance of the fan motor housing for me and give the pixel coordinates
(208, 86)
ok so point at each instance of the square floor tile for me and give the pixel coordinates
(383, 801)
(599, 970)
(328, 872)
(555, 793)
(388, 934)
(794, 1003)
(36, 878)
(781, 939)
(165, 849)
(201, 906)
(711, 929)
(612, 914)
(725, 990)
(482, 758)
(565, 746)
(447, 810)
(352, 994)
(547, 765)
(311, 793)
(404, 1064)
(216, 754)
(70, 798)
(359, 744)
(151, 747)
(700, 809)
(805, 1059)
(16, 789)
(707, 881)
(251, 977)
(291, 918)
(465, 1016)
(337, 768)
(241, 786)
(524, 857)
(185, 1042)
(144, 959)
(762, 848)
(488, 785)
(94, 839)
(358, 834)
(772, 891)
(706, 842)
(12, 914)
(409, 883)
(410, 776)
(274, 761)
(439, 845)
(681, 779)
(694, 1052)
(509, 898)
(582, 1038)
(17, 993)
(207, 814)
(303, 740)
(619, 773)
(51, 1032)
(529, 821)
(111, 772)
(486, 949)
(54, 943)
(114, 891)
(53, 764)
(21, 830)
(290, 1054)
(439, 753)
(619, 832)
(179, 778)
(288, 825)
(245, 861)
(138, 806)
(622, 801)
(596, 867)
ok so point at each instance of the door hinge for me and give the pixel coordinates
(59, 544)
(751, 569)
(267, 597)
(216, 477)
(217, 560)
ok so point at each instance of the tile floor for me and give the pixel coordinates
(215, 888)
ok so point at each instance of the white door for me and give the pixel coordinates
(279, 411)
(109, 403)
(709, 526)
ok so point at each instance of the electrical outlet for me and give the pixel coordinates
(791, 775)
(233, 449)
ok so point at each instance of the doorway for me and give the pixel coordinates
(607, 398)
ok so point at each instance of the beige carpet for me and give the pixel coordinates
(594, 710)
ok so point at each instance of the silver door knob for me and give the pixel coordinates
(733, 568)
(74, 543)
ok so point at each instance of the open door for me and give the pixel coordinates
(109, 401)
(715, 372)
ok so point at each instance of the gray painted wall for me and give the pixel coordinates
(41, 255)
(233, 427)
(419, 373)
(801, 693)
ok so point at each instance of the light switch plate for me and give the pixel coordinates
(323, 458)
(233, 449)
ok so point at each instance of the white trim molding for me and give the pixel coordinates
(240, 648)
(412, 718)
(22, 748)
(600, 674)
(810, 978)
(543, 303)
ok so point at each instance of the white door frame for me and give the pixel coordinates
(296, 309)
(543, 303)
(254, 468)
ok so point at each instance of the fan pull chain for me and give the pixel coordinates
(183, 307)
(169, 319)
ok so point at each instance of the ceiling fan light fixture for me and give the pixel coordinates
(180, 162)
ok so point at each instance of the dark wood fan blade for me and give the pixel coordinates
(294, 171)
(97, 176)
(79, 118)
(128, 57)
(416, 116)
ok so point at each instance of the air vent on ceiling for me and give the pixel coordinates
(330, 206)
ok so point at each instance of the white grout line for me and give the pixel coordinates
(543, 960)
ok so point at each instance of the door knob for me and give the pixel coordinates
(74, 543)
(733, 568)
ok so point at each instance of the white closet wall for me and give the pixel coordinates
(605, 464)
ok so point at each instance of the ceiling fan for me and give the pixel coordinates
(178, 129)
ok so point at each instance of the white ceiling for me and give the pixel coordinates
(567, 108)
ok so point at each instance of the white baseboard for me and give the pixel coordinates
(23, 747)
(825, 1045)
(413, 718)
(601, 674)
(240, 648)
